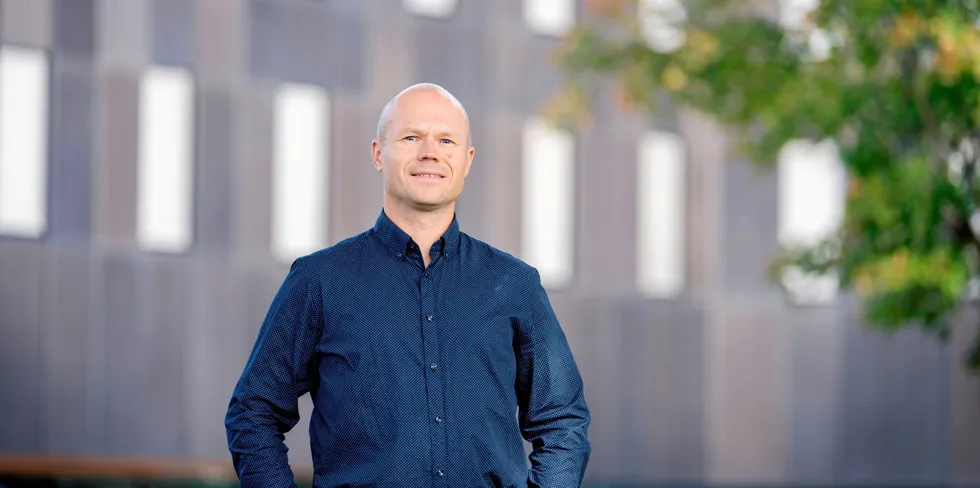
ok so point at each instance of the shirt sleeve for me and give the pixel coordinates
(553, 414)
(264, 405)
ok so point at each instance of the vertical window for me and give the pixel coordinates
(662, 23)
(299, 173)
(661, 185)
(431, 8)
(811, 207)
(166, 158)
(548, 182)
(23, 141)
(549, 17)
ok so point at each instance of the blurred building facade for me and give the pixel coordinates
(125, 319)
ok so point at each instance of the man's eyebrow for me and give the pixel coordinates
(438, 132)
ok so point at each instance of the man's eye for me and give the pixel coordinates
(447, 141)
(411, 138)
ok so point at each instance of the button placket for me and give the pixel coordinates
(434, 382)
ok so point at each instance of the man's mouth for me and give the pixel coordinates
(428, 176)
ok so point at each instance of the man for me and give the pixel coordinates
(428, 354)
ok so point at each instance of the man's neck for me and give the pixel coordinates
(424, 227)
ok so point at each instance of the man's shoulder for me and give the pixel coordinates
(343, 252)
(495, 258)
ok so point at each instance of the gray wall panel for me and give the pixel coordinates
(127, 342)
(604, 385)
(750, 227)
(503, 211)
(166, 303)
(74, 23)
(64, 355)
(146, 306)
(123, 35)
(661, 415)
(355, 187)
(219, 42)
(212, 354)
(816, 354)
(20, 366)
(213, 195)
(471, 204)
(251, 191)
(750, 444)
(466, 48)
(606, 206)
(539, 81)
(71, 158)
(895, 406)
(97, 363)
(288, 41)
(385, 75)
(583, 333)
(173, 29)
(965, 400)
(27, 22)
(345, 41)
(115, 190)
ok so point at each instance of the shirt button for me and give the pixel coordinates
(426, 275)
(438, 420)
(433, 366)
(429, 318)
(439, 473)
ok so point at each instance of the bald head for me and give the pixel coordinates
(389, 107)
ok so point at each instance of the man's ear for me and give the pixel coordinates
(376, 155)
(469, 160)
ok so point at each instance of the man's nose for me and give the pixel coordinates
(427, 150)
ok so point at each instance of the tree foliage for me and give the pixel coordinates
(894, 85)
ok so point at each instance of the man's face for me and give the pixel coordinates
(425, 152)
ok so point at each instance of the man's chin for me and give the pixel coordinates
(424, 206)
(430, 205)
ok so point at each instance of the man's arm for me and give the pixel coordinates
(553, 415)
(264, 405)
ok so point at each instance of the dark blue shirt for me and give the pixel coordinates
(419, 376)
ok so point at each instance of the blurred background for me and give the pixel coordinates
(163, 161)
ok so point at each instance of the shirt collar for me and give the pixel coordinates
(398, 242)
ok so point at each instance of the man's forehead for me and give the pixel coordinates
(423, 104)
(434, 127)
(426, 101)
(428, 115)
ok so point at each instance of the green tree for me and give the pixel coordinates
(894, 85)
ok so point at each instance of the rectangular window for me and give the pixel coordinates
(812, 183)
(165, 188)
(299, 171)
(549, 17)
(548, 182)
(24, 80)
(439, 9)
(661, 184)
